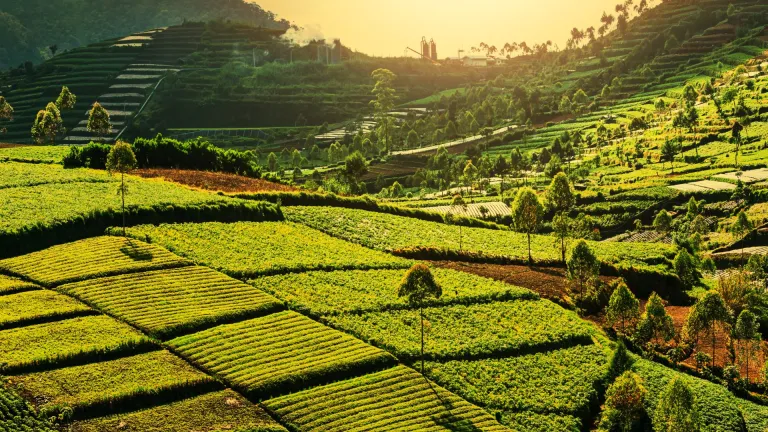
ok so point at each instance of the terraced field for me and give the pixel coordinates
(165, 302)
(37, 306)
(278, 353)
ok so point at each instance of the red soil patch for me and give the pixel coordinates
(548, 282)
(214, 181)
(9, 145)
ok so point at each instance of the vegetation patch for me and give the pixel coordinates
(90, 258)
(65, 342)
(535, 422)
(37, 306)
(10, 285)
(470, 331)
(394, 399)
(356, 291)
(164, 303)
(279, 353)
(220, 410)
(246, 249)
(98, 388)
(17, 416)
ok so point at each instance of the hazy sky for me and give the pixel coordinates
(387, 27)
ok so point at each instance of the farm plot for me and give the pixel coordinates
(166, 302)
(558, 382)
(16, 415)
(355, 291)
(751, 176)
(217, 411)
(470, 331)
(534, 422)
(492, 209)
(43, 154)
(37, 306)
(17, 174)
(388, 232)
(395, 399)
(10, 285)
(90, 258)
(278, 353)
(119, 383)
(719, 409)
(249, 249)
(703, 186)
(57, 343)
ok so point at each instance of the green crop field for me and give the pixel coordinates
(355, 291)
(43, 154)
(277, 353)
(559, 382)
(394, 399)
(388, 232)
(166, 302)
(62, 341)
(251, 249)
(223, 410)
(9, 285)
(462, 331)
(86, 259)
(30, 174)
(106, 383)
(36, 306)
(17, 416)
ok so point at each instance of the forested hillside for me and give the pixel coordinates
(34, 30)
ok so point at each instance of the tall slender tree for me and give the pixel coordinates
(527, 212)
(6, 112)
(419, 286)
(121, 159)
(98, 121)
(384, 91)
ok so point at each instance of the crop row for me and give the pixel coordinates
(65, 342)
(394, 399)
(98, 387)
(561, 382)
(10, 285)
(278, 353)
(16, 415)
(16, 174)
(37, 306)
(469, 331)
(356, 291)
(247, 249)
(388, 232)
(43, 154)
(166, 302)
(209, 412)
(90, 258)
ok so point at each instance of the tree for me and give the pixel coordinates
(561, 226)
(419, 286)
(384, 91)
(296, 158)
(624, 403)
(121, 159)
(413, 139)
(98, 121)
(676, 409)
(66, 99)
(470, 174)
(655, 323)
(458, 205)
(736, 130)
(623, 308)
(583, 266)
(6, 112)
(686, 270)
(668, 152)
(741, 228)
(747, 334)
(527, 212)
(620, 362)
(560, 196)
(355, 167)
(272, 162)
(708, 311)
(48, 124)
(662, 222)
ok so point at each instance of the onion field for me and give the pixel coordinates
(165, 302)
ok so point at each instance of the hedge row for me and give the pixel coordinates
(362, 203)
(82, 226)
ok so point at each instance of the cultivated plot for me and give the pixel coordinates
(166, 302)
(331, 293)
(90, 258)
(395, 399)
(278, 353)
(249, 249)
(469, 331)
(9, 285)
(37, 306)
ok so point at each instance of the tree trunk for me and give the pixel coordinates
(421, 315)
(562, 247)
(713, 344)
(530, 258)
(461, 239)
(122, 194)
